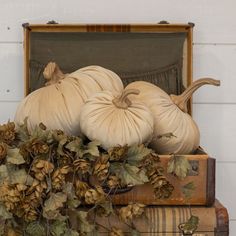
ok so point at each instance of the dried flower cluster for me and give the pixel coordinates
(47, 176)
(131, 211)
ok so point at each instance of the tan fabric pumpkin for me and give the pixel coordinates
(58, 104)
(170, 117)
(115, 120)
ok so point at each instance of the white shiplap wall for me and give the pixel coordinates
(214, 55)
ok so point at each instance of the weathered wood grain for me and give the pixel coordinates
(217, 61)
(216, 17)
(7, 111)
(226, 185)
(218, 129)
(11, 78)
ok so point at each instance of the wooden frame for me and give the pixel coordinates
(135, 28)
(222, 221)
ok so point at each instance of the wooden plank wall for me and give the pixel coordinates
(214, 55)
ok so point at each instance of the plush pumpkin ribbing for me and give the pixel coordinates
(58, 104)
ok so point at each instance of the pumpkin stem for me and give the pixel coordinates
(52, 73)
(122, 101)
(182, 99)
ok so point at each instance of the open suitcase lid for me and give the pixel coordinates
(158, 53)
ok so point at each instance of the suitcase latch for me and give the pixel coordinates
(188, 228)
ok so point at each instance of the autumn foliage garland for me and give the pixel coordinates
(45, 178)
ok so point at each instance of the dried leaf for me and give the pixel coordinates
(76, 146)
(55, 201)
(179, 166)
(72, 200)
(194, 220)
(58, 228)
(40, 134)
(68, 189)
(71, 232)
(20, 177)
(61, 144)
(23, 132)
(84, 225)
(4, 214)
(14, 156)
(135, 232)
(2, 229)
(58, 135)
(129, 174)
(81, 150)
(35, 228)
(95, 232)
(105, 209)
(188, 189)
(136, 153)
(3, 173)
(92, 148)
(13, 175)
(54, 215)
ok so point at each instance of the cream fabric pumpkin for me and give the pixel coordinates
(116, 120)
(58, 104)
(170, 117)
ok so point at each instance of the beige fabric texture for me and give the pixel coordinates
(58, 105)
(168, 118)
(102, 120)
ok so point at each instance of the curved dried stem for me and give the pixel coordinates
(52, 73)
(122, 101)
(182, 99)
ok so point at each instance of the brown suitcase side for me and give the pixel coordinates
(161, 220)
(202, 175)
(165, 220)
(222, 217)
(210, 188)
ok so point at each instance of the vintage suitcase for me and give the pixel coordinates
(169, 221)
(158, 53)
